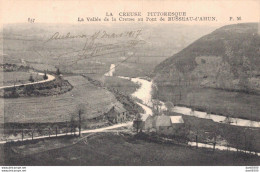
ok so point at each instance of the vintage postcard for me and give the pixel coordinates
(130, 83)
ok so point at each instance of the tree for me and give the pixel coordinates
(72, 124)
(45, 75)
(31, 78)
(245, 73)
(80, 112)
(183, 132)
(28, 89)
(58, 71)
(155, 92)
(156, 107)
(14, 93)
(138, 123)
(169, 106)
(251, 141)
(208, 111)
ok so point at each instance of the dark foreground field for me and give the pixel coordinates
(244, 138)
(117, 149)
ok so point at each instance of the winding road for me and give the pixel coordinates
(50, 78)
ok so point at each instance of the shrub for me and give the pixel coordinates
(12, 94)
(58, 71)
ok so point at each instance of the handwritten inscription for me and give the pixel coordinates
(96, 35)
(101, 42)
(31, 20)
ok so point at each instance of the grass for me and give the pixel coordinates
(112, 149)
(234, 104)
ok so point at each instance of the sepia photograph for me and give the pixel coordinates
(130, 83)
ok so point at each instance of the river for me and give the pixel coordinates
(144, 93)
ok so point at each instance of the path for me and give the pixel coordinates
(104, 129)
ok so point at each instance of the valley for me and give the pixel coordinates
(207, 74)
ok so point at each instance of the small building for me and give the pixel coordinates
(163, 124)
(117, 114)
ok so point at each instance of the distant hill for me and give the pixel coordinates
(228, 58)
(29, 44)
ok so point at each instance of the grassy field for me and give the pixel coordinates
(113, 149)
(235, 104)
(94, 101)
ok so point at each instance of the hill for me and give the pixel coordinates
(227, 58)
(219, 72)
